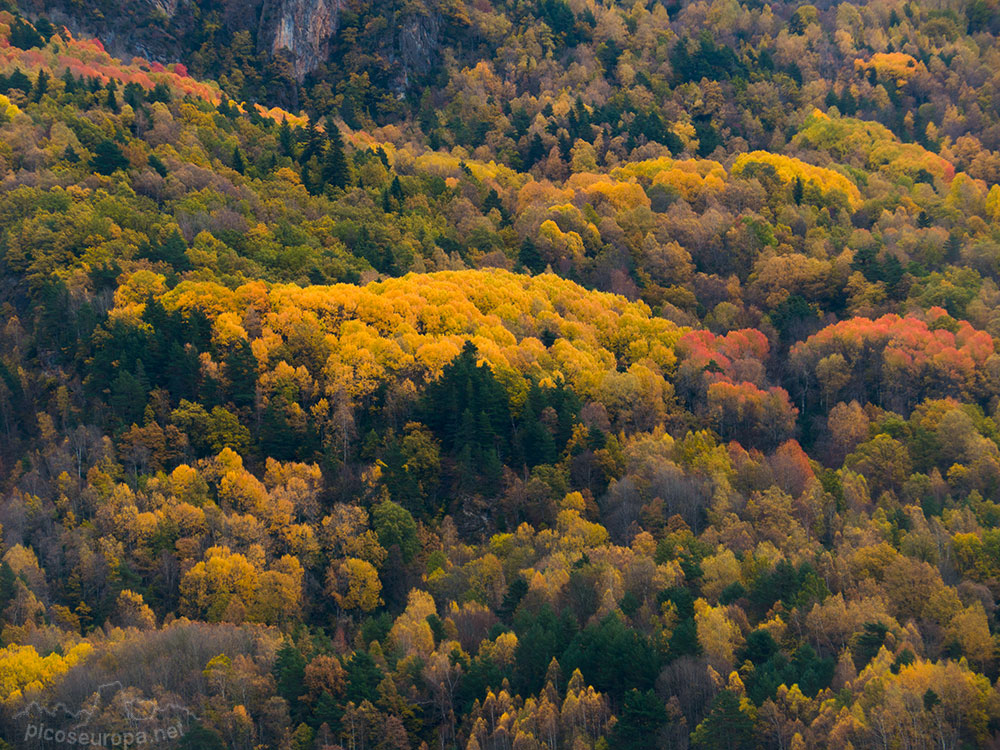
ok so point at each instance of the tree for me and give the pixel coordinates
(128, 397)
(529, 256)
(412, 469)
(614, 657)
(108, 158)
(41, 86)
(719, 636)
(24, 36)
(112, 97)
(238, 163)
(363, 678)
(396, 191)
(285, 138)
(219, 584)
(336, 169)
(394, 525)
(289, 675)
(211, 432)
(131, 611)
(469, 411)
(201, 738)
(970, 630)
(883, 460)
(324, 674)
(727, 726)
(640, 720)
(18, 80)
(241, 371)
(354, 584)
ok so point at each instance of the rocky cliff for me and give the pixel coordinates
(160, 29)
(302, 28)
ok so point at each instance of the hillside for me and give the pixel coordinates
(503, 375)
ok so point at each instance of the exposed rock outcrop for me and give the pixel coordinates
(303, 28)
(300, 29)
(417, 45)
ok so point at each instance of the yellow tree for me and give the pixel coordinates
(718, 635)
(354, 584)
(222, 578)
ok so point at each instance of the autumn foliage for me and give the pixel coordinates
(614, 377)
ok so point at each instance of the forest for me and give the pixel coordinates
(626, 377)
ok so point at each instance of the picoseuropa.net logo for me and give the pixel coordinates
(112, 718)
(100, 739)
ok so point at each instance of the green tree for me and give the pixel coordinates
(641, 717)
(108, 158)
(238, 164)
(128, 397)
(200, 738)
(363, 678)
(394, 525)
(727, 726)
(41, 86)
(112, 98)
(24, 36)
(336, 169)
(614, 657)
(241, 372)
(289, 676)
(285, 139)
(529, 256)
(469, 411)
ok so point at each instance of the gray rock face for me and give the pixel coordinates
(302, 28)
(417, 44)
(166, 7)
(299, 31)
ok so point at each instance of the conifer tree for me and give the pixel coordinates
(238, 164)
(112, 99)
(285, 138)
(41, 86)
(336, 170)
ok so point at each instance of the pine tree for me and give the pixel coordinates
(157, 164)
(19, 80)
(241, 371)
(641, 718)
(24, 36)
(289, 676)
(536, 152)
(160, 93)
(727, 727)
(128, 398)
(336, 170)
(285, 138)
(41, 86)
(107, 158)
(530, 257)
(312, 176)
(363, 677)
(396, 189)
(112, 99)
(238, 164)
(69, 82)
(314, 144)
(45, 28)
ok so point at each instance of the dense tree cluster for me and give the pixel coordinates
(634, 387)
